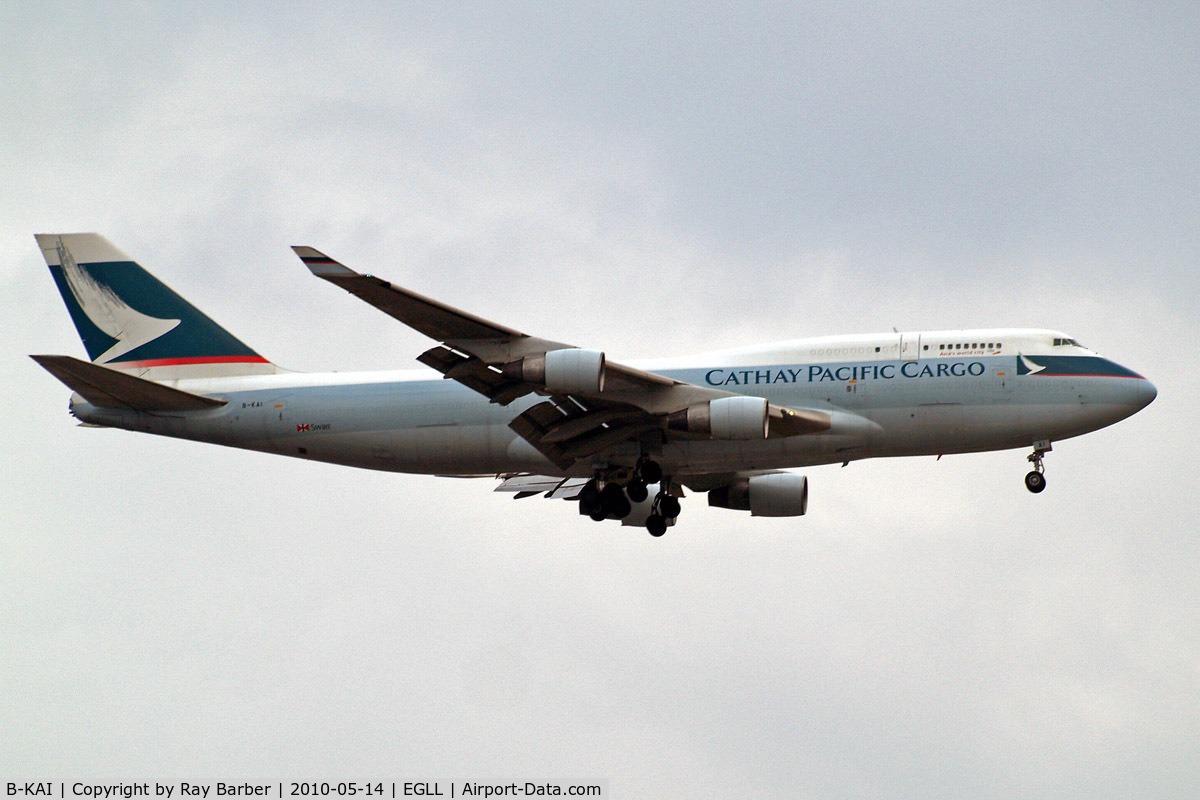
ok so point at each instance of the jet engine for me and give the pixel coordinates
(779, 494)
(570, 370)
(741, 418)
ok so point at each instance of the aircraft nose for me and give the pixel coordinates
(1146, 394)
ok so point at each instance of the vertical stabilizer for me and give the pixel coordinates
(130, 320)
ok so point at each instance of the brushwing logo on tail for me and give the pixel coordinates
(108, 312)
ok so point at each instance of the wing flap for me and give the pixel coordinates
(535, 423)
(564, 430)
(553, 488)
(108, 388)
(474, 374)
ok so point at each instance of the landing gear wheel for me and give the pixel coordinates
(589, 500)
(649, 471)
(614, 502)
(656, 524)
(668, 506)
(636, 491)
(1036, 480)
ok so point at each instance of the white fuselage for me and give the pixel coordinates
(888, 395)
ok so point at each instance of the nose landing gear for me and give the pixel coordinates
(1036, 481)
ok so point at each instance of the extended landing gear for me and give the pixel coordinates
(665, 507)
(603, 498)
(1036, 480)
(590, 504)
(610, 501)
(600, 504)
(614, 501)
(645, 472)
(648, 471)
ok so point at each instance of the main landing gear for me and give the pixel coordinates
(665, 507)
(1036, 481)
(603, 499)
(644, 472)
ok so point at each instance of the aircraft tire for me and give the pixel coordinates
(650, 471)
(669, 507)
(1035, 481)
(637, 491)
(656, 524)
(614, 502)
(598, 514)
(589, 498)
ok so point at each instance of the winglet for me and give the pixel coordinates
(319, 263)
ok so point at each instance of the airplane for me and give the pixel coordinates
(621, 440)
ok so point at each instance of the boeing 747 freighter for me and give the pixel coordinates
(544, 417)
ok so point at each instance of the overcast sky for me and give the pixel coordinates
(646, 180)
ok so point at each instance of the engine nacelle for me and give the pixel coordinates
(570, 370)
(779, 494)
(742, 418)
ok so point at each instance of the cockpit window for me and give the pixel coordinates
(1067, 342)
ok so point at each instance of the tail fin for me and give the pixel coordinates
(130, 320)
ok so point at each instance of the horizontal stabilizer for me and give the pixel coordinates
(110, 388)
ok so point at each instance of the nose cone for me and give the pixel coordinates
(1146, 392)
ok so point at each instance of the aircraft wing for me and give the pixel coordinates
(593, 403)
